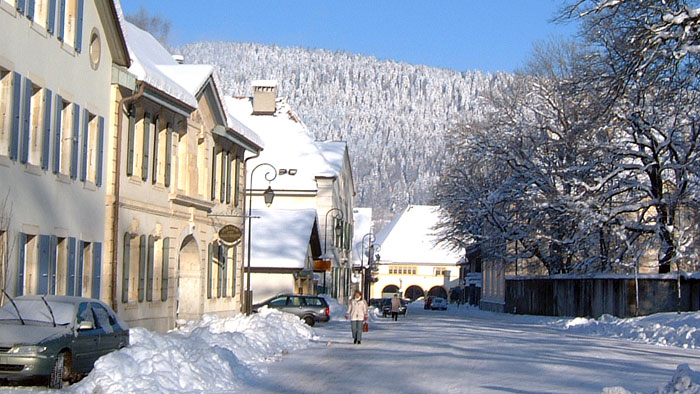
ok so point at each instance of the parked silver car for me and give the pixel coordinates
(310, 309)
(56, 338)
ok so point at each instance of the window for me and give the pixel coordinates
(27, 264)
(102, 318)
(168, 155)
(61, 266)
(64, 142)
(5, 111)
(402, 270)
(236, 180)
(158, 147)
(279, 301)
(213, 172)
(71, 22)
(225, 169)
(95, 49)
(85, 269)
(145, 144)
(203, 170)
(133, 266)
(40, 13)
(182, 161)
(441, 271)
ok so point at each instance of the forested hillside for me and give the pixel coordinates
(393, 115)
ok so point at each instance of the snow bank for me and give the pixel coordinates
(210, 355)
(337, 310)
(668, 329)
(684, 381)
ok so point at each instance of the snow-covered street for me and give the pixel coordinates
(469, 351)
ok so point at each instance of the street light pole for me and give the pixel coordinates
(325, 227)
(366, 270)
(269, 195)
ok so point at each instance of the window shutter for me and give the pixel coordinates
(142, 266)
(96, 269)
(156, 132)
(43, 278)
(21, 6)
(79, 26)
(61, 20)
(228, 177)
(223, 271)
(53, 245)
(26, 115)
(79, 274)
(70, 278)
(166, 272)
(146, 145)
(150, 267)
(30, 9)
(51, 17)
(100, 150)
(16, 120)
(234, 271)
(125, 267)
(46, 140)
(75, 139)
(130, 142)
(21, 260)
(222, 194)
(220, 257)
(57, 125)
(236, 182)
(168, 154)
(86, 137)
(210, 262)
(213, 173)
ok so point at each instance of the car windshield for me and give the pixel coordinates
(36, 311)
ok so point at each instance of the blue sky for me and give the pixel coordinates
(487, 35)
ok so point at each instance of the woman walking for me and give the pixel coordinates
(357, 313)
(395, 307)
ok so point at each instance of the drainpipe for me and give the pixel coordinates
(117, 182)
(244, 302)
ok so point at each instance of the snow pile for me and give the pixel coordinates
(684, 381)
(210, 355)
(337, 310)
(668, 329)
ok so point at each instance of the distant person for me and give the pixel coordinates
(395, 307)
(358, 314)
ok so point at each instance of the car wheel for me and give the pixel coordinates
(309, 320)
(61, 371)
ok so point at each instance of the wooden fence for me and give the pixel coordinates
(593, 297)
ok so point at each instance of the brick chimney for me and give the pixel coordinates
(264, 96)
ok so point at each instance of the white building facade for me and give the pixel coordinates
(56, 65)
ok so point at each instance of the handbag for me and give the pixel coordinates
(365, 327)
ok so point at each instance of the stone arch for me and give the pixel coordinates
(190, 282)
(390, 289)
(414, 292)
(438, 291)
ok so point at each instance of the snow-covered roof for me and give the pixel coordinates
(410, 239)
(191, 77)
(363, 226)
(281, 237)
(149, 59)
(288, 145)
(334, 154)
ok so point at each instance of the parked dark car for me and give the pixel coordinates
(386, 308)
(377, 303)
(310, 309)
(56, 338)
